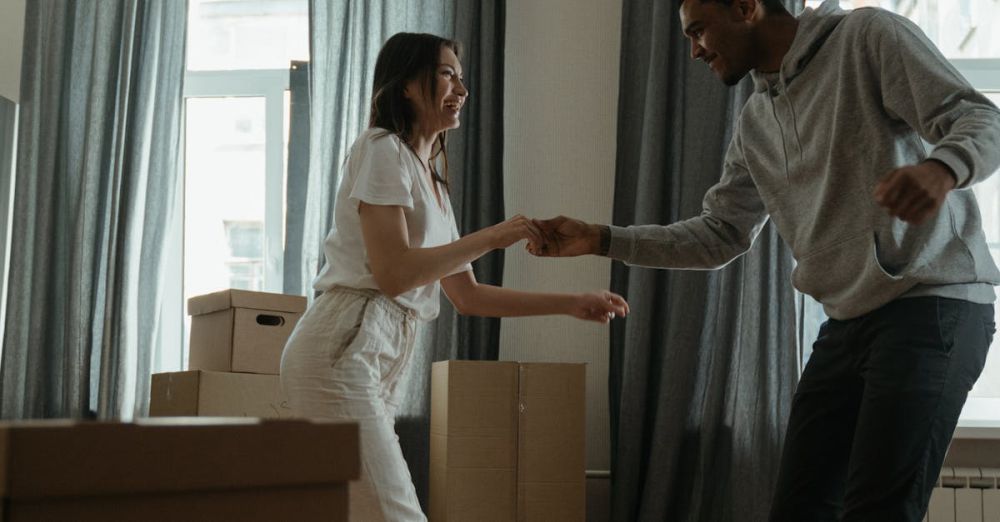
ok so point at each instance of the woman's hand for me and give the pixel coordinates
(505, 234)
(599, 307)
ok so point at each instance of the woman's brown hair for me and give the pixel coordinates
(404, 57)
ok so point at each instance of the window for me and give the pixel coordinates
(960, 28)
(245, 258)
(236, 131)
(968, 33)
(984, 400)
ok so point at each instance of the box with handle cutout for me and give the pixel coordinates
(241, 331)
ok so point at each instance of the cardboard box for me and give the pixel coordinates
(507, 442)
(177, 469)
(217, 394)
(241, 331)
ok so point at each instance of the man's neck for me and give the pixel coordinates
(775, 35)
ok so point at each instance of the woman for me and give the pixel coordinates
(394, 243)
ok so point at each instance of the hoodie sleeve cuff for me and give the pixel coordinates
(963, 178)
(621, 243)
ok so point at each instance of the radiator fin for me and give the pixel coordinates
(966, 495)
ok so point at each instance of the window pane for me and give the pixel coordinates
(960, 28)
(247, 34)
(224, 195)
(988, 194)
(963, 29)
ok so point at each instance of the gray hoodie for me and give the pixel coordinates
(854, 96)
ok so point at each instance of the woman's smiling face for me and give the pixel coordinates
(441, 111)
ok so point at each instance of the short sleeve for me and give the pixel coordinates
(381, 177)
(455, 237)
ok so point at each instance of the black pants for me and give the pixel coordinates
(875, 410)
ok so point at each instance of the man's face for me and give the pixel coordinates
(720, 36)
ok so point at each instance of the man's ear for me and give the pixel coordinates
(747, 8)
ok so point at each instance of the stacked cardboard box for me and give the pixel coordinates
(176, 469)
(234, 357)
(507, 442)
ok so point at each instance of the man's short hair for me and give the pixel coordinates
(771, 6)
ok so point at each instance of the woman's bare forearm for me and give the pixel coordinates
(422, 266)
(493, 301)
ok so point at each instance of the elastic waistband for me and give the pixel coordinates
(376, 297)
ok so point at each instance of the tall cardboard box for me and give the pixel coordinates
(199, 393)
(507, 442)
(473, 446)
(241, 331)
(551, 442)
(168, 470)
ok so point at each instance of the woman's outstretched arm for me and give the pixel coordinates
(472, 298)
(398, 268)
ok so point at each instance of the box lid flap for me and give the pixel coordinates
(232, 298)
(62, 458)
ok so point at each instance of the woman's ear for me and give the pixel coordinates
(411, 90)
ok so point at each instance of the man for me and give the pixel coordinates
(886, 236)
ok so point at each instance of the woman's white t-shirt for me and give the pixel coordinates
(381, 170)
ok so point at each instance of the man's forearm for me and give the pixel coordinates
(702, 242)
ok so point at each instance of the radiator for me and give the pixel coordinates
(966, 495)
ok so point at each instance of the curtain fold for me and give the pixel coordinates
(97, 186)
(702, 373)
(297, 181)
(8, 145)
(475, 152)
(345, 38)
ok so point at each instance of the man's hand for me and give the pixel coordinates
(566, 237)
(915, 193)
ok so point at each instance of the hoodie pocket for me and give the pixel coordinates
(847, 277)
(892, 270)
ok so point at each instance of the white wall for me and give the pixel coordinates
(560, 114)
(11, 42)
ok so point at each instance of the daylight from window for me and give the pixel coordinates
(236, 131)
(968, 33)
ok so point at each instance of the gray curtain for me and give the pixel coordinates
(702, 372)
(297, 183)
(96, 182)
(345, 39)
(8, 141)
(475, 153)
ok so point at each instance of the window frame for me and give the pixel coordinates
(270, 84)
(984, 75)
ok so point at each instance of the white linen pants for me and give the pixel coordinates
(343, 362)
